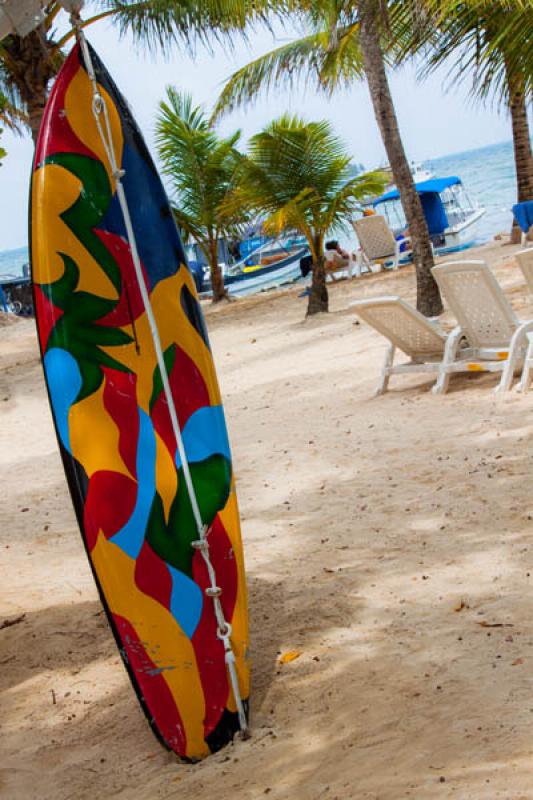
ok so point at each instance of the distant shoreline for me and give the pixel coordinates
(459, 153)
(20, 253)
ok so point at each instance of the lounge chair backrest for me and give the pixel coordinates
(375, 237)
(403, 325)
(525, 262)
(477, 301)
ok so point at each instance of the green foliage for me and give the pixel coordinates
(486, 42)
(201, 167)
(28, 64)
(158, 24)
(477, 38)
(297, 175)
(10, 115)
(327, 56)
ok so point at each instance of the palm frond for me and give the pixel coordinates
(310, 60)
(200, 164)
(11, 115)
(487, 43)
(297, 175)
(159, 24)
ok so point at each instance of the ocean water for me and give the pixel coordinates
(487, 174)
(12, 261)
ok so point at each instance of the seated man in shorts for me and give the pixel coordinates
(338, 259)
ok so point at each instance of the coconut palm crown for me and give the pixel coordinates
(485, 43)
(28, 64)
(296, 176)
(345, 41)
(201, 167)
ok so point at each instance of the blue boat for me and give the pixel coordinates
(451, 215)
(263, 263)
(15, 294)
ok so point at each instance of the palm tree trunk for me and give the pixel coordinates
(31, 67)
(318, 296)
(428, 299)
(217, 279)
(523, 156)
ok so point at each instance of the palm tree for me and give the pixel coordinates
(346, 43)
(297, 176)
(28, 64)
(487, 43)
(11, 117)
(202, 169)
(371, 31)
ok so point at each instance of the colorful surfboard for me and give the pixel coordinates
(112, 419)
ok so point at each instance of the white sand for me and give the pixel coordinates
(383, 538)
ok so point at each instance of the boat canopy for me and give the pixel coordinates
(436, 209)
(431, 186)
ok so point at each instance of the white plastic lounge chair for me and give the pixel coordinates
(409, 331)
(377, 242)
(525, 262)
(525, 381)
(335, 263)
(496, 336)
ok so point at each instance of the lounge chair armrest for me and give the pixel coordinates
(455, 334)
(451, 348)
(438, 327)
(518, 338)
(524, 327)
(520, 334)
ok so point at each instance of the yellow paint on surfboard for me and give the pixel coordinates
(94, 439)
(94, 436)
(166, 479)
(163, 639)
(229, 516)
(79, 98)
(52, 237)
(174, 328)
(188, 338)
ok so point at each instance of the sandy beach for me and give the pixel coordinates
(387, 541)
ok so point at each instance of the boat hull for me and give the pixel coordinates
(261, 279)
(461, 236)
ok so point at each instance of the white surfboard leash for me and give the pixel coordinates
(213, 591)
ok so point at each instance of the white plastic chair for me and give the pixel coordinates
(377, 242)
(409, 331)
(525, 381)
(525, 262)
(496, 337)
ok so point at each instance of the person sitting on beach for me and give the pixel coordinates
(337, 258)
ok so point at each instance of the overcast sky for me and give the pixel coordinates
(433, 122)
